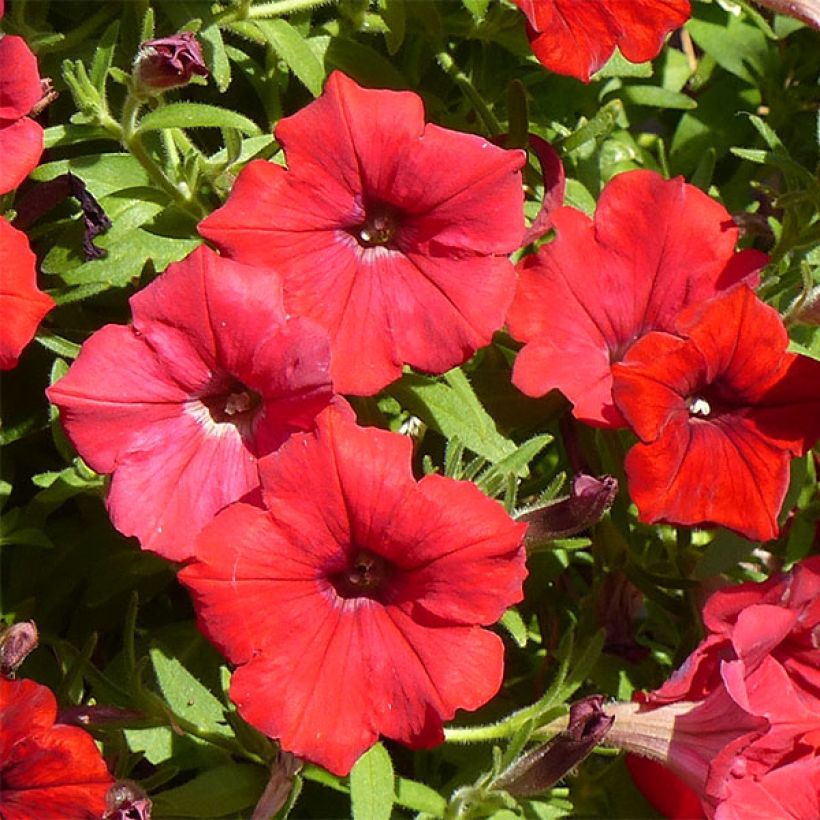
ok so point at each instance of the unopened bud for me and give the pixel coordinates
(126, 800)
(540, 769)
(807, 308)
(16, 643)
(591, 497)
(169, 62)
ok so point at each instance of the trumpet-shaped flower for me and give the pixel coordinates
(352, 603)
(179, 406)
(576, 37)
(720, 410)
(655, 247)
(46, 770)
(21, 139)
(22, 304)
(392, 234)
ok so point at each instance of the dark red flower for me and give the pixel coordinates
(210, 376)
(46, 770)
(655, 247)
(720, 410)
(384, 229)
(739, 722)
(21, 139)
(576, 37)
(352, 603)
(169, 62)
(22, 304)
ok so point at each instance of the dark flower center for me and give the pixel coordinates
(364, 577)
(710, 402)
(379, 228)
(237, 404)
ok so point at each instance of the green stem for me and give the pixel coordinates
(276, 8)
(132, 141)
(504, 728)
(450, 68)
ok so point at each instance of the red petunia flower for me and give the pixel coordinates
(654, 247)
(210, 376)
(576, 37)
(46, 770)
(21, 139)
(663, 789)
(720, 409)
(22, 304)
(392, 234)
(352, 603)
(739, 722)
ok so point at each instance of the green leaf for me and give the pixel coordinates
(223, 790)
(362, 63)
(186, 696)
(196, 115)
(372, 785)
(103, 56)
(478, 8)
(515, 463)
(292, 48)
(420, 798)
(102, 173)
(655, 97)
(512, 621)
(619, 66)
(394, 15)
(451, 407)
(216, 57)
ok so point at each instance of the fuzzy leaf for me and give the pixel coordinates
(371, 785)
(196, 115)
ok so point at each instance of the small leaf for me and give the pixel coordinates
(420, 798)
(512, 621)
(196, 115)
(215, 56)
(451, 407)
(220, 791)
(103, 56)
(372, 785)
(186, 696)
(655, 97)
(292, 48)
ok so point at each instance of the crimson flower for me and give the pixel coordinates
(720, 409)
(178, 406)
(21, 139)
(654, 247)
(384, 229)
(22, 304)
(576, 37)
(46, 770)
(352, 603)
(739, 722)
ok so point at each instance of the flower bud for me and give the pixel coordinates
(538, 770)
(16, 643)
(169, 62)
(126, 800)
(591, 497)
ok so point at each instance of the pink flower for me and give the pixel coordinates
(22, 304)
(576, 37)
(739, 722)
(210, 376)
(46, 770)
(720, 409)
(384, 229)
(352, 604)
(21, 139)
(654, 247)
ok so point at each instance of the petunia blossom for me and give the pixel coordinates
(720, 410)
(22, 304)
(654, 247)
(178, 406)
(739, 722)
(393, 234)
(46, 770)
(352, 604)
(21, 139)
(576, 37)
